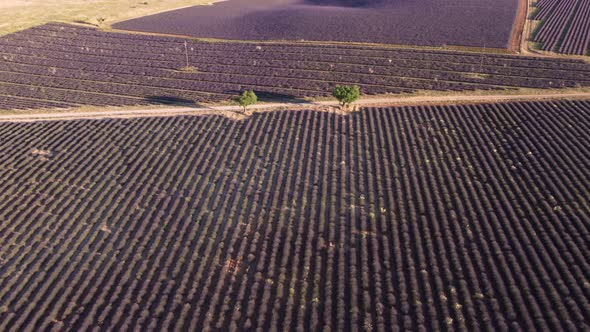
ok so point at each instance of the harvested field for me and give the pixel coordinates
(419, 22)
(436, 217)
(564, 26)
(59, 65)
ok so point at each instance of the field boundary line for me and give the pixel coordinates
(331, 106)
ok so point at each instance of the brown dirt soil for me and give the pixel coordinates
(518, 28)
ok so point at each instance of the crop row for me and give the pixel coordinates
(505, 73)
(174, 46)
(16, 103)
(215, 82)
(565, 26)
(473, 77)
(462, 217)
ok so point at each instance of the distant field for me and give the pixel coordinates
(65, 66)
(21, 14)
(472, 217)
(564, 26)
(479, 23)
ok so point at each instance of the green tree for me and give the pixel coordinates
(346, 94)
(246, 99)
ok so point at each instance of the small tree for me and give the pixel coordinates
(346, 94)
(246, 99)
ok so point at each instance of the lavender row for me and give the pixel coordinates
(577, 39)
(565, 26)
(213, 83)
(254, 51)
(407, 68)
(15, 103)
(175, 47)
(367, 70)
(465, 217)
(64, 96)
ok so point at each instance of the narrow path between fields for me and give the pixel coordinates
(518, 36)
(332, 106)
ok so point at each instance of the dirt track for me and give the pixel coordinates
(331, 106)
(519, 33)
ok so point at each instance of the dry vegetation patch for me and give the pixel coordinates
(21, 14)
(42, 153)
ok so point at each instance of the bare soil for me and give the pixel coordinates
(518, 30)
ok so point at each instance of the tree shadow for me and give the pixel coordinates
(346, 3)
(171, 101)
(266, 96)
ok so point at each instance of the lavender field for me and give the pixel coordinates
(419, 22)
(564, 26)
(457, 210)
(430, 218)
(65, 66)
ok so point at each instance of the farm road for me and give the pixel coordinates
(235, 111)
